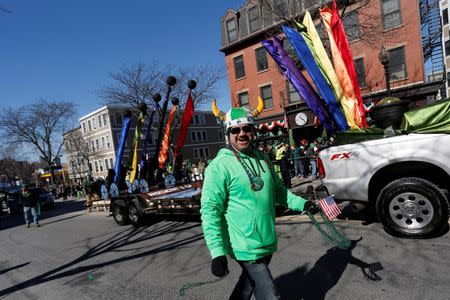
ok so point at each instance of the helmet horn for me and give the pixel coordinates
(218, 113)
(260, 107)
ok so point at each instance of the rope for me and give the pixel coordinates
(200, 283)
(330, 233)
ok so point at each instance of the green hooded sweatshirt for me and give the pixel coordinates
(236, 220)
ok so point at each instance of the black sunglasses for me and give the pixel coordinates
(237, 130)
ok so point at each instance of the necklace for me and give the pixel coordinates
(254, 175)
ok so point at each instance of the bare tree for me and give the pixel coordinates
(40, 125)
(137, 83)
(78, 149)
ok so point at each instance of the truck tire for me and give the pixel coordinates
(412, 207)
(120, 216)
(134, 216)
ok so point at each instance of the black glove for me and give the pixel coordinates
(219, 266)
(311, 207)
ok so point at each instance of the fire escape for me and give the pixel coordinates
(431, 28)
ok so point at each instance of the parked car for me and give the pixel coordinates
(46, 199)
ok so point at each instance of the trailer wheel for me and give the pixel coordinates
(120, 217)
(134, 216)
(412, 207)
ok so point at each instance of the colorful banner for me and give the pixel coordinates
(133, 158)
(324, 62)
(306, 56)
(340, 37)
(185, 120)
(123, 139)
(300, 83)
(165, 143)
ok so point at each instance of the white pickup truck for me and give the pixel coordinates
(406, 178)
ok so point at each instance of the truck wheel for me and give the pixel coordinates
(119, 215)
(134, 216)
(412, 207)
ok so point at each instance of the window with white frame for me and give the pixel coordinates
(111, 163)
(261, 59)
(201, 152)
(239, 67)
(198, 135)
(96, 166)
(92, 146)
(390, 13)
(254, 18)
(266, 95)
(100, 123)
(97, 145)
(104, 120)
(100, 163)
(230, 26)
(103, 143)
(84, 127)
(108, 143)
(198, 119)
(94, 123)
(397, 66)
(89, 125)
(243, 99)
(106, 164)
(293, 96)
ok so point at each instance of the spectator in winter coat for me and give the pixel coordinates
(30, 202)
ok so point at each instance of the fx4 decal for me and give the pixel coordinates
(344, 155)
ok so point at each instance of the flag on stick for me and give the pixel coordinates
(329, 207)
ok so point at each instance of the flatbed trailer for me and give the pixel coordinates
(134, 208)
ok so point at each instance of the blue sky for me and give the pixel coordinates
(64, 50)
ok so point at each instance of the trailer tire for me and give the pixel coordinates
(119, 215)
(412, 207)
(134, 215)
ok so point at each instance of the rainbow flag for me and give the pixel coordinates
(299, 43)
(324, 62)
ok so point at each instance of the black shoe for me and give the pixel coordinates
(28, 225)
(38, 225)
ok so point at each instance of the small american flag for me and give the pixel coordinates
(329, 207)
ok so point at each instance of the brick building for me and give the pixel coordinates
(370, 24)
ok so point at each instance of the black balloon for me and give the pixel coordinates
(192, 84)
(156, 97)
(142, 107)
(171, 80)
(175, 101)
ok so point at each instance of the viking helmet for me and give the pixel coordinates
(237, 115)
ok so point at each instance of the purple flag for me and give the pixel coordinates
(300, 83)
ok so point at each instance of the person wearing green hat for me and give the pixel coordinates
(238, 200)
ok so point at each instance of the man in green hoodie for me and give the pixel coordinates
(238, 208)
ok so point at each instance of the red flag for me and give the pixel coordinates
(185, 120)
(344, 47)
(165, 144)
(329, 207)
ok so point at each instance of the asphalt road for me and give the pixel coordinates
(79, 255)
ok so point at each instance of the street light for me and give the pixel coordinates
(384, 58)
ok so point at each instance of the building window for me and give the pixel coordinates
(100, 163)
(351, 24)
(108, 144)
(254, 18)
(84, 127)
(198, 119)
(239, 69)
(106, 164)
(92, 146)
(279, 8)
(94, 123)
(397, 67)
(266, 95)
(89, 125)
(220, 134)
(198, 136)
(243, 99)
(261, 59)
(293, 95)
(201, 152)
(359, 66)
(104, 120)
(96, 166)
(390, 10)
(231, 30)
(103, 143)
(100, 125)
(111, 163)
(118, 118)
(445, 16)
(447, 48)
(97, 144)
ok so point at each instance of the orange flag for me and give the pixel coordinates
(165, 144)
